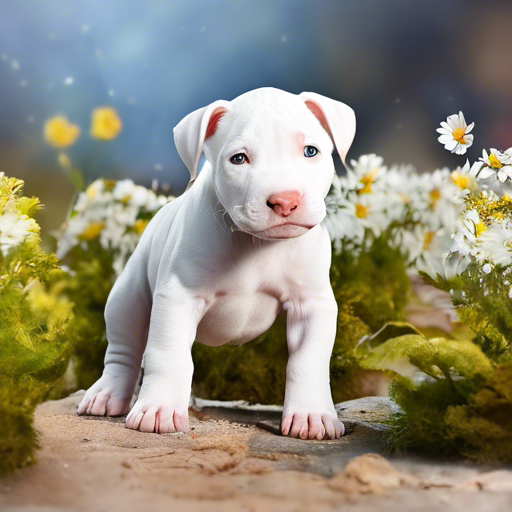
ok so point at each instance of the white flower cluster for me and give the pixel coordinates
(425, 215)
(15, 227)
(115, 213)
(489, 242)
(418, 211)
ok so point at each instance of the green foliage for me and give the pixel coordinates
(34, 352)
(88, 286)
(488, 314)
(436, 357)
(255, 371)
(370, 289)
(463, 403)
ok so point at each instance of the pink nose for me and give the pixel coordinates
(284, 203)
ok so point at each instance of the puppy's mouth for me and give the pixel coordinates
(282, 231)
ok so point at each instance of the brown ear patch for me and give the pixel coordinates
(317, 112)
(214, 121)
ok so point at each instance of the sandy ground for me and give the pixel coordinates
(96, 464)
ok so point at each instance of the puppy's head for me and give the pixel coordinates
(271, 156)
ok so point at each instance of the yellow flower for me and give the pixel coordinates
(59, 132)
(140, 225)
(361, 210)
(91, 190)
(92, 231)
(367, 180)
(480, 227)
(105, 123)
(462, 180)
(427, 241)
(434, 195)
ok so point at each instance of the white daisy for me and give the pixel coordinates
(123, 190)
(495, 164)
(466, 178)
(364, 173)
(496, 244)
(13, 230)
(455, 134)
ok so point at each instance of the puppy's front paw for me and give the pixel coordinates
(157, 418)
(108, 396)
(312, 426)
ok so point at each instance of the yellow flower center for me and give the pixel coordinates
(361, 210)
(92, 231)
(495, 161)
(140, 225)
(428, 239)
(461, 180)
(367, 181)
(458, 135)
(91, 191)
(434, 197)
(480, 228)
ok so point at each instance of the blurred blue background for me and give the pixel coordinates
(402, 65)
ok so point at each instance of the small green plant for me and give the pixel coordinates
(34, 351)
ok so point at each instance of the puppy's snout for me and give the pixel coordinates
(284, 203)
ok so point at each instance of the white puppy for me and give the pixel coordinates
(220, 262)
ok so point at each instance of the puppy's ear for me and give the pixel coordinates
(192, 130)
(338, 120)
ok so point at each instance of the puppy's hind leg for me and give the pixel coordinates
(127, 317)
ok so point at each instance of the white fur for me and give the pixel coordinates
(218, 264)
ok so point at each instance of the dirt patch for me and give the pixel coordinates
(97, 464)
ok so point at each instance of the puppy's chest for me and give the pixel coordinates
(243, 303)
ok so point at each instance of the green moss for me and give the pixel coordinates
(473, 419)
(88, 287)
(255, 371)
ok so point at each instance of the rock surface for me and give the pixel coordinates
(228, 463)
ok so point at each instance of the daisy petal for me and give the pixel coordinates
(486, 172)
(453, 121)
(461, 149)
(470, 127)
(450, 146)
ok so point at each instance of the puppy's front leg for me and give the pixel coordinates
(164, 397)
(308, 410)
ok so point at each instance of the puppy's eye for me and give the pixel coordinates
(239, 158)
(310, 151)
